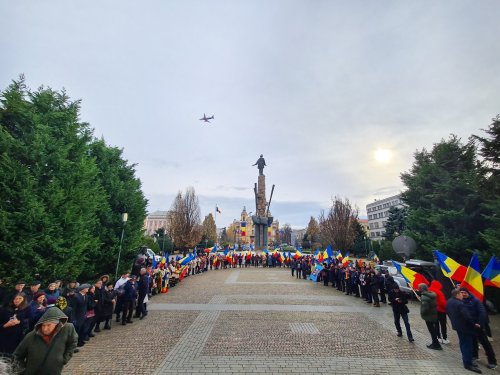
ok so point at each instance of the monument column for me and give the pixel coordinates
(261, 219)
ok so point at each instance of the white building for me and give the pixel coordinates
(378, 213)
(154, 221)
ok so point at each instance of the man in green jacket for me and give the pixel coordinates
(46, 349)
(428, 312)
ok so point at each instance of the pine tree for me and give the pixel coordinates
(444, 201)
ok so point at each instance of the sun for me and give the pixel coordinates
(383, 155)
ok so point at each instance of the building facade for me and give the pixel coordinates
(378, 213)
(155, 221)
(366, 226)
(242, 231)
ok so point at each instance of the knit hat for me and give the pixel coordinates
(82, 287)
(35, 282)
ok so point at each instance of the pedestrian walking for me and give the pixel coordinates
(399, 302)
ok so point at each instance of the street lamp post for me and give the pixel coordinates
(124, 221)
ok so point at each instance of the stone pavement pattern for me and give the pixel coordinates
(247, 321)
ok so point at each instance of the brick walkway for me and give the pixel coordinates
(263, 321)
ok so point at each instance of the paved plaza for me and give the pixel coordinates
(248, 321)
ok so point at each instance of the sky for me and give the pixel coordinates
(317, 87)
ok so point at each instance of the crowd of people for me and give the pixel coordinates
(33, 319)
(467, 314)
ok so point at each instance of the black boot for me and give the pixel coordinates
(107, 325)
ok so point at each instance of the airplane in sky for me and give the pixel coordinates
(207, 119)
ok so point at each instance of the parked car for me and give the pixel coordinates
(151, 255)
(387, 267)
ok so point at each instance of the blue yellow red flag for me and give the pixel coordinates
(491, 273)
(449, 267)
(412, 277)
(473, 280)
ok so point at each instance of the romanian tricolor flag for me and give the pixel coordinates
(282, 257)
(188, 258)
(345, 261)
(249, 255)
(243, 228)
(491, 273)
(213, 249)
(298, 254)
(375, 258)
(413, 278)
(473, 280)
(229, 257)
(321, 256)
(450, 268)
(339, 256)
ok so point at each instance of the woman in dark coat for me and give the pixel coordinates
(90, 316)
(108, 303)
(14, 324)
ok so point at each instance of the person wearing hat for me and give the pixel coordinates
(46, 349)
(80, 303)
(428, 312)
(34, 288)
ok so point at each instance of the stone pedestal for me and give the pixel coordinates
(260, 220)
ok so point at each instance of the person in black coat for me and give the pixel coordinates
(463, 323)
(80, 311)
(14, 324)
(142, 290)
(98, 297)
(129, 298)
(479, 315)
(374, 287)
(108, 303)
(399, 300)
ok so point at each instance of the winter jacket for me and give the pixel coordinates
(437, 288)
(428, 306)
(33, 349)
(390, 284)
(460, 318)
(476, 310)
(398, 300)
(79, 308)
(10, 337)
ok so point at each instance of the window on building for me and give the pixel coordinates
(378, 234)
(372, 234)
(376, 225)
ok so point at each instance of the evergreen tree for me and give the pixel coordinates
(490, 150)
(122, 191)
(396, 222)
(444, 201)
(62, 193)
(51, 220)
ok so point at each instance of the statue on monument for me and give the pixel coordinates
(260, 163)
